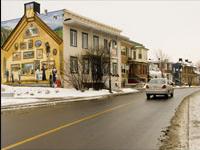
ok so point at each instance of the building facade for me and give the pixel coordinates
(56, 39)
(31, 45)
(185, 73)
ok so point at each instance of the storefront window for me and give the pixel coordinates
(28, 69)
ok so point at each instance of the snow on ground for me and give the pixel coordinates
(184, 131)
(194, 124)
(37, 94)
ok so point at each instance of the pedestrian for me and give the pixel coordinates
(12, 76)
(19, 75)
(54, 72)
(43, 73)
(37, 73)
(7, 75)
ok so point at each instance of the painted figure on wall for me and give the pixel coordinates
(47, 48)
(54, 72)
(7, 75)
(43, 73)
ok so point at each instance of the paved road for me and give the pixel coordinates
(128, 122)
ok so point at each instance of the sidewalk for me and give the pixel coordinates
(23, 97)
(194, 122)
(184, 131)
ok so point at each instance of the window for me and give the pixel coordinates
(39, 53)
(48, 64)
(31, 31)
(140, 54)
(114, 67)
(28, 55)
(15, 67)
(73, 64)
(95, 42)
(16, 56)
(28, 69)
(114, 44)
(23, 45)
(134, 54)
(85, 40)
(106, 44)
(123, 68)
(86, 66)
(30, 44)
(73, 38)
(106, 68)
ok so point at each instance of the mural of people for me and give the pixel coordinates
(19, 75)
(7, 75)
(37, 73)
(50, 80)
(47, 48)
(12, 76)
(43, 73)
(54, 71)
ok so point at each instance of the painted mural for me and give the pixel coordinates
(53, 19)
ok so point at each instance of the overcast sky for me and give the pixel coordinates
(173, 26)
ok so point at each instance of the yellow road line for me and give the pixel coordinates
(63, 126)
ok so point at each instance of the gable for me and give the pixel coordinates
(22, 25)
(54, 20)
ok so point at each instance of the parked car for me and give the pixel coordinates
(159, 86)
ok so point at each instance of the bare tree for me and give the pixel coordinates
(162, 58)
(76, 76)
(99, 60)
(88, 70)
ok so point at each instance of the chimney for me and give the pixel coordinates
(180, 59)
(31, 8)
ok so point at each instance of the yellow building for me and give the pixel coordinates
(31, 45)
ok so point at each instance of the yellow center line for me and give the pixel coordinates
(63, 126)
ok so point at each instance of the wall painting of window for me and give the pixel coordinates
(28, 69)
(16, 56)
(28, 55)
(39, 53)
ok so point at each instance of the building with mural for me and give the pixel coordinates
(53, 39)
(30, 43)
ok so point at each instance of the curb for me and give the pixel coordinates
(54, 101)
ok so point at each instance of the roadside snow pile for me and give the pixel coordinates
(194, 124)
(129, 90)
(36, 94)
(184, 131)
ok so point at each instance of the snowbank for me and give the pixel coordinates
(194, 123)
(37, 94)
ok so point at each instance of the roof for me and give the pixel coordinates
(53, 19)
